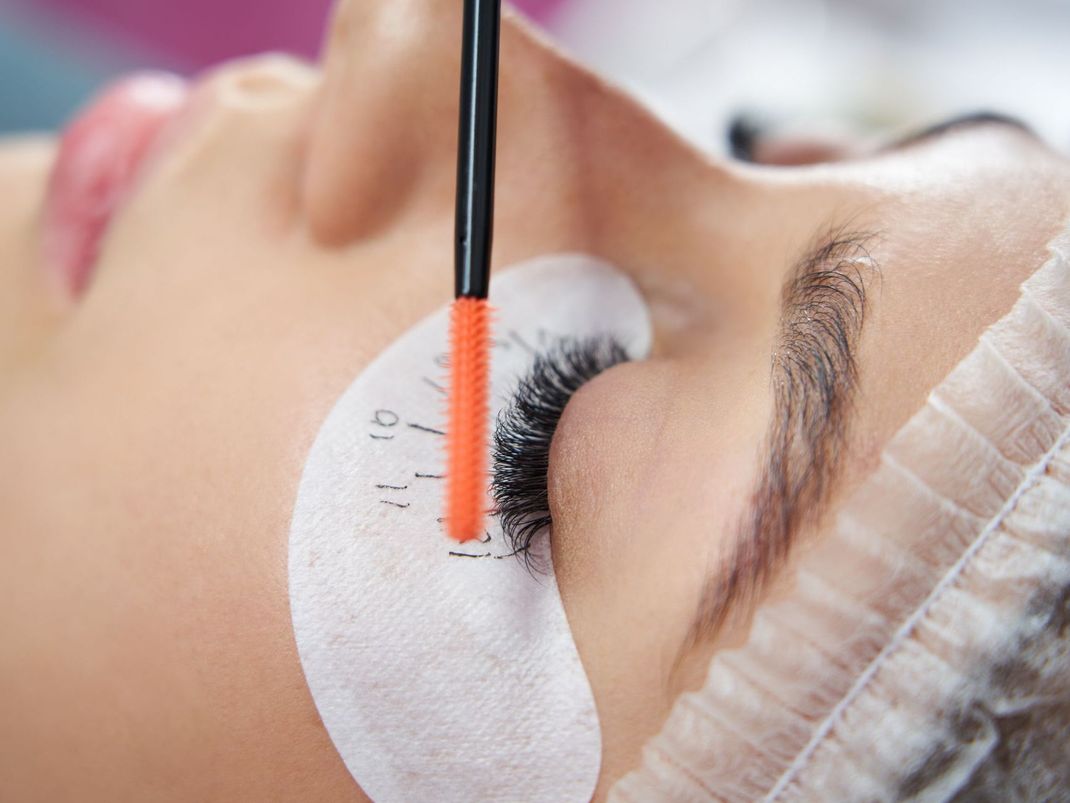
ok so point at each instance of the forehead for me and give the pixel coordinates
(963, 221)
(962, 159)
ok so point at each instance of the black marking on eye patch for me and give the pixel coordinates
(429, 430)
(488, 555)
(386, 418)
(516, 338)
(432, 383)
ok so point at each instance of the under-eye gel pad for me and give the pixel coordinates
(445, 672)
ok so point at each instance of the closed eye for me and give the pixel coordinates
(525, 431)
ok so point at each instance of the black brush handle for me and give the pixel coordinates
(476, 147)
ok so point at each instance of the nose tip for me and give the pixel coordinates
(368, 31)
(391, 88)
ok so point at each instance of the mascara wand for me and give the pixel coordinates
(466, 473)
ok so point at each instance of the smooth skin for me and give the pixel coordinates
(153, 431)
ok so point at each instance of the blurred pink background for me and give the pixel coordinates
(696, 63)
(195, 33)
(54, 54)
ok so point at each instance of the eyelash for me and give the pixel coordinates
(525, 429)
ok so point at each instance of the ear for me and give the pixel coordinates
(387, 117)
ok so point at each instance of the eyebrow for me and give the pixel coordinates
(814, 378)
(957, 123)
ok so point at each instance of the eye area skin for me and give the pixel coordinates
(524, 431)
(679, 524)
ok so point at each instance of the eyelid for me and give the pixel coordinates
(959, 121)
(526, 427)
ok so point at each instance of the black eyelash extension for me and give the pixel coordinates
(521, 453)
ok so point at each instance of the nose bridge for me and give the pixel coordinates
(363, 25)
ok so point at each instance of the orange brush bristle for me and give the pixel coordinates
(466, 472)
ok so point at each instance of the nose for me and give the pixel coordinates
(392, 72)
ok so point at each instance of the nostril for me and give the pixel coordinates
(257, 84)
(268, 81)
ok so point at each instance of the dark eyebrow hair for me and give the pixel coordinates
(814, 378)
(957, 123)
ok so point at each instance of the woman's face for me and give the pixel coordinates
(288, 227)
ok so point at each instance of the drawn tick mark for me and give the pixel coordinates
(420, 476)
(429, 381)
(422, 428)
(395, 504)
(512, 554)
(488, 555)
(516, 338)
(392, 487)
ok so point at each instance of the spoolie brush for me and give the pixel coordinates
(470, 326)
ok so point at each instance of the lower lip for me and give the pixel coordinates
(101, 156)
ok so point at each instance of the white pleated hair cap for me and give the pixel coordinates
(924, 652)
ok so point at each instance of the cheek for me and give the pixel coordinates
(27, 304)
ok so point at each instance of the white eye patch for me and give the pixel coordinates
(445, 672)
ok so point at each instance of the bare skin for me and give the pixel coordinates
(298, 221)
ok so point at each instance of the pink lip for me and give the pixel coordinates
(101, 155)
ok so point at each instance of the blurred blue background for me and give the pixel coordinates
(55, 53)
(876, 63)
(43, 72)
